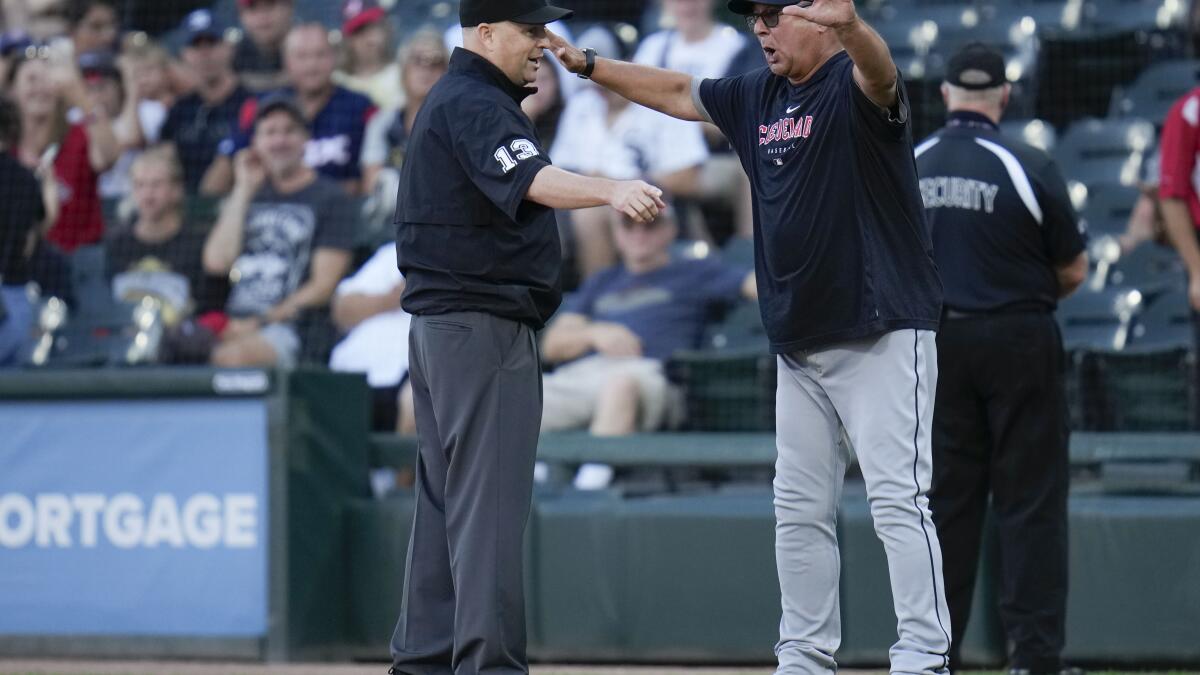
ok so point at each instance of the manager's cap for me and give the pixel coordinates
(976, 66)
(745, 7)
(533, 12)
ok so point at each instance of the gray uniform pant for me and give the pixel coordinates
(877, 395)
(477, 390)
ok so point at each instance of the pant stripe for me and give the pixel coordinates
(916, 495)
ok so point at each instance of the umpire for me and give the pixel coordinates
(1007, 245)
(478, 245)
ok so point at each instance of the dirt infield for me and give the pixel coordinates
(43, 667)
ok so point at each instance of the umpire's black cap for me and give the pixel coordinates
(533, 12)
(747, 6)
(976, 66)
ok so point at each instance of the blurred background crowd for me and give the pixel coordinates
(197, 183)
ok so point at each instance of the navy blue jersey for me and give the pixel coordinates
(336, 133)
(666, 308)
(841, 248)
(197, 129)
(466, 237)
(1000, 216)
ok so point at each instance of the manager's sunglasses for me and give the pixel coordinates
(770, 19)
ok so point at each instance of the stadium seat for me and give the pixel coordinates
(1109, 203)
(726, 390)
(1123, 16)
(1154, 91)
(1038, 133)
(1098, 319)
(1143, 390)
(90, 286)
(1152, 268)
(1165, 324)
(1104, 150)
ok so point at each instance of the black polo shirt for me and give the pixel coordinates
(466, 237)
(841, 247)
(1001, 218)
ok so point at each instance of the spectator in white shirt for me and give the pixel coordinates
(366, 307)
(702, 47)
(601, 134)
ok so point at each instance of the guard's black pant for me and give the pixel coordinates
(1000, 429)
(477, 391)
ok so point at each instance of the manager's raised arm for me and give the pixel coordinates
(663, 90)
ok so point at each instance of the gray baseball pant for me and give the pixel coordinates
(877, 396)
(477, 390)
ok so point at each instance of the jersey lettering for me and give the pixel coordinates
(959, 193)
(785, 129)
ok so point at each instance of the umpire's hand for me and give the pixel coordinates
(637, 199)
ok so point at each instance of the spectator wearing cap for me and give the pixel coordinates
(200, 121)
(1007, 246)
(93, 25)
(67, 133)
(337, 116)
(258, 59)
(283, 238)
(602, 134)
(136, 120)
(368, 66)
(423, 62)
(12, 43)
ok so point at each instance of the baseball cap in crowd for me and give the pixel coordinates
(747, 6)
(93, 65)
(202, 25)
(279, 103)
(976, 66)
(14, 41)
(533, 12)
(358, 14)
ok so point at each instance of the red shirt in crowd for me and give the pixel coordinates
(80, 221)
(1180, 148)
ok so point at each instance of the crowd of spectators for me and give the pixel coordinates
(245, 180)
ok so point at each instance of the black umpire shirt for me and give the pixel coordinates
(841, 248)
(1001, 218)
(466, 237)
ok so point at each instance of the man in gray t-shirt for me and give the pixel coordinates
(283, 238)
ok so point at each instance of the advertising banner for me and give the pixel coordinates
(134, 517)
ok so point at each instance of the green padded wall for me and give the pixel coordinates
(1135, 580)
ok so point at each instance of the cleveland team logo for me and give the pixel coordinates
(785, 129)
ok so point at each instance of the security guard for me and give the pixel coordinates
(478, 245)
(1008, 246)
